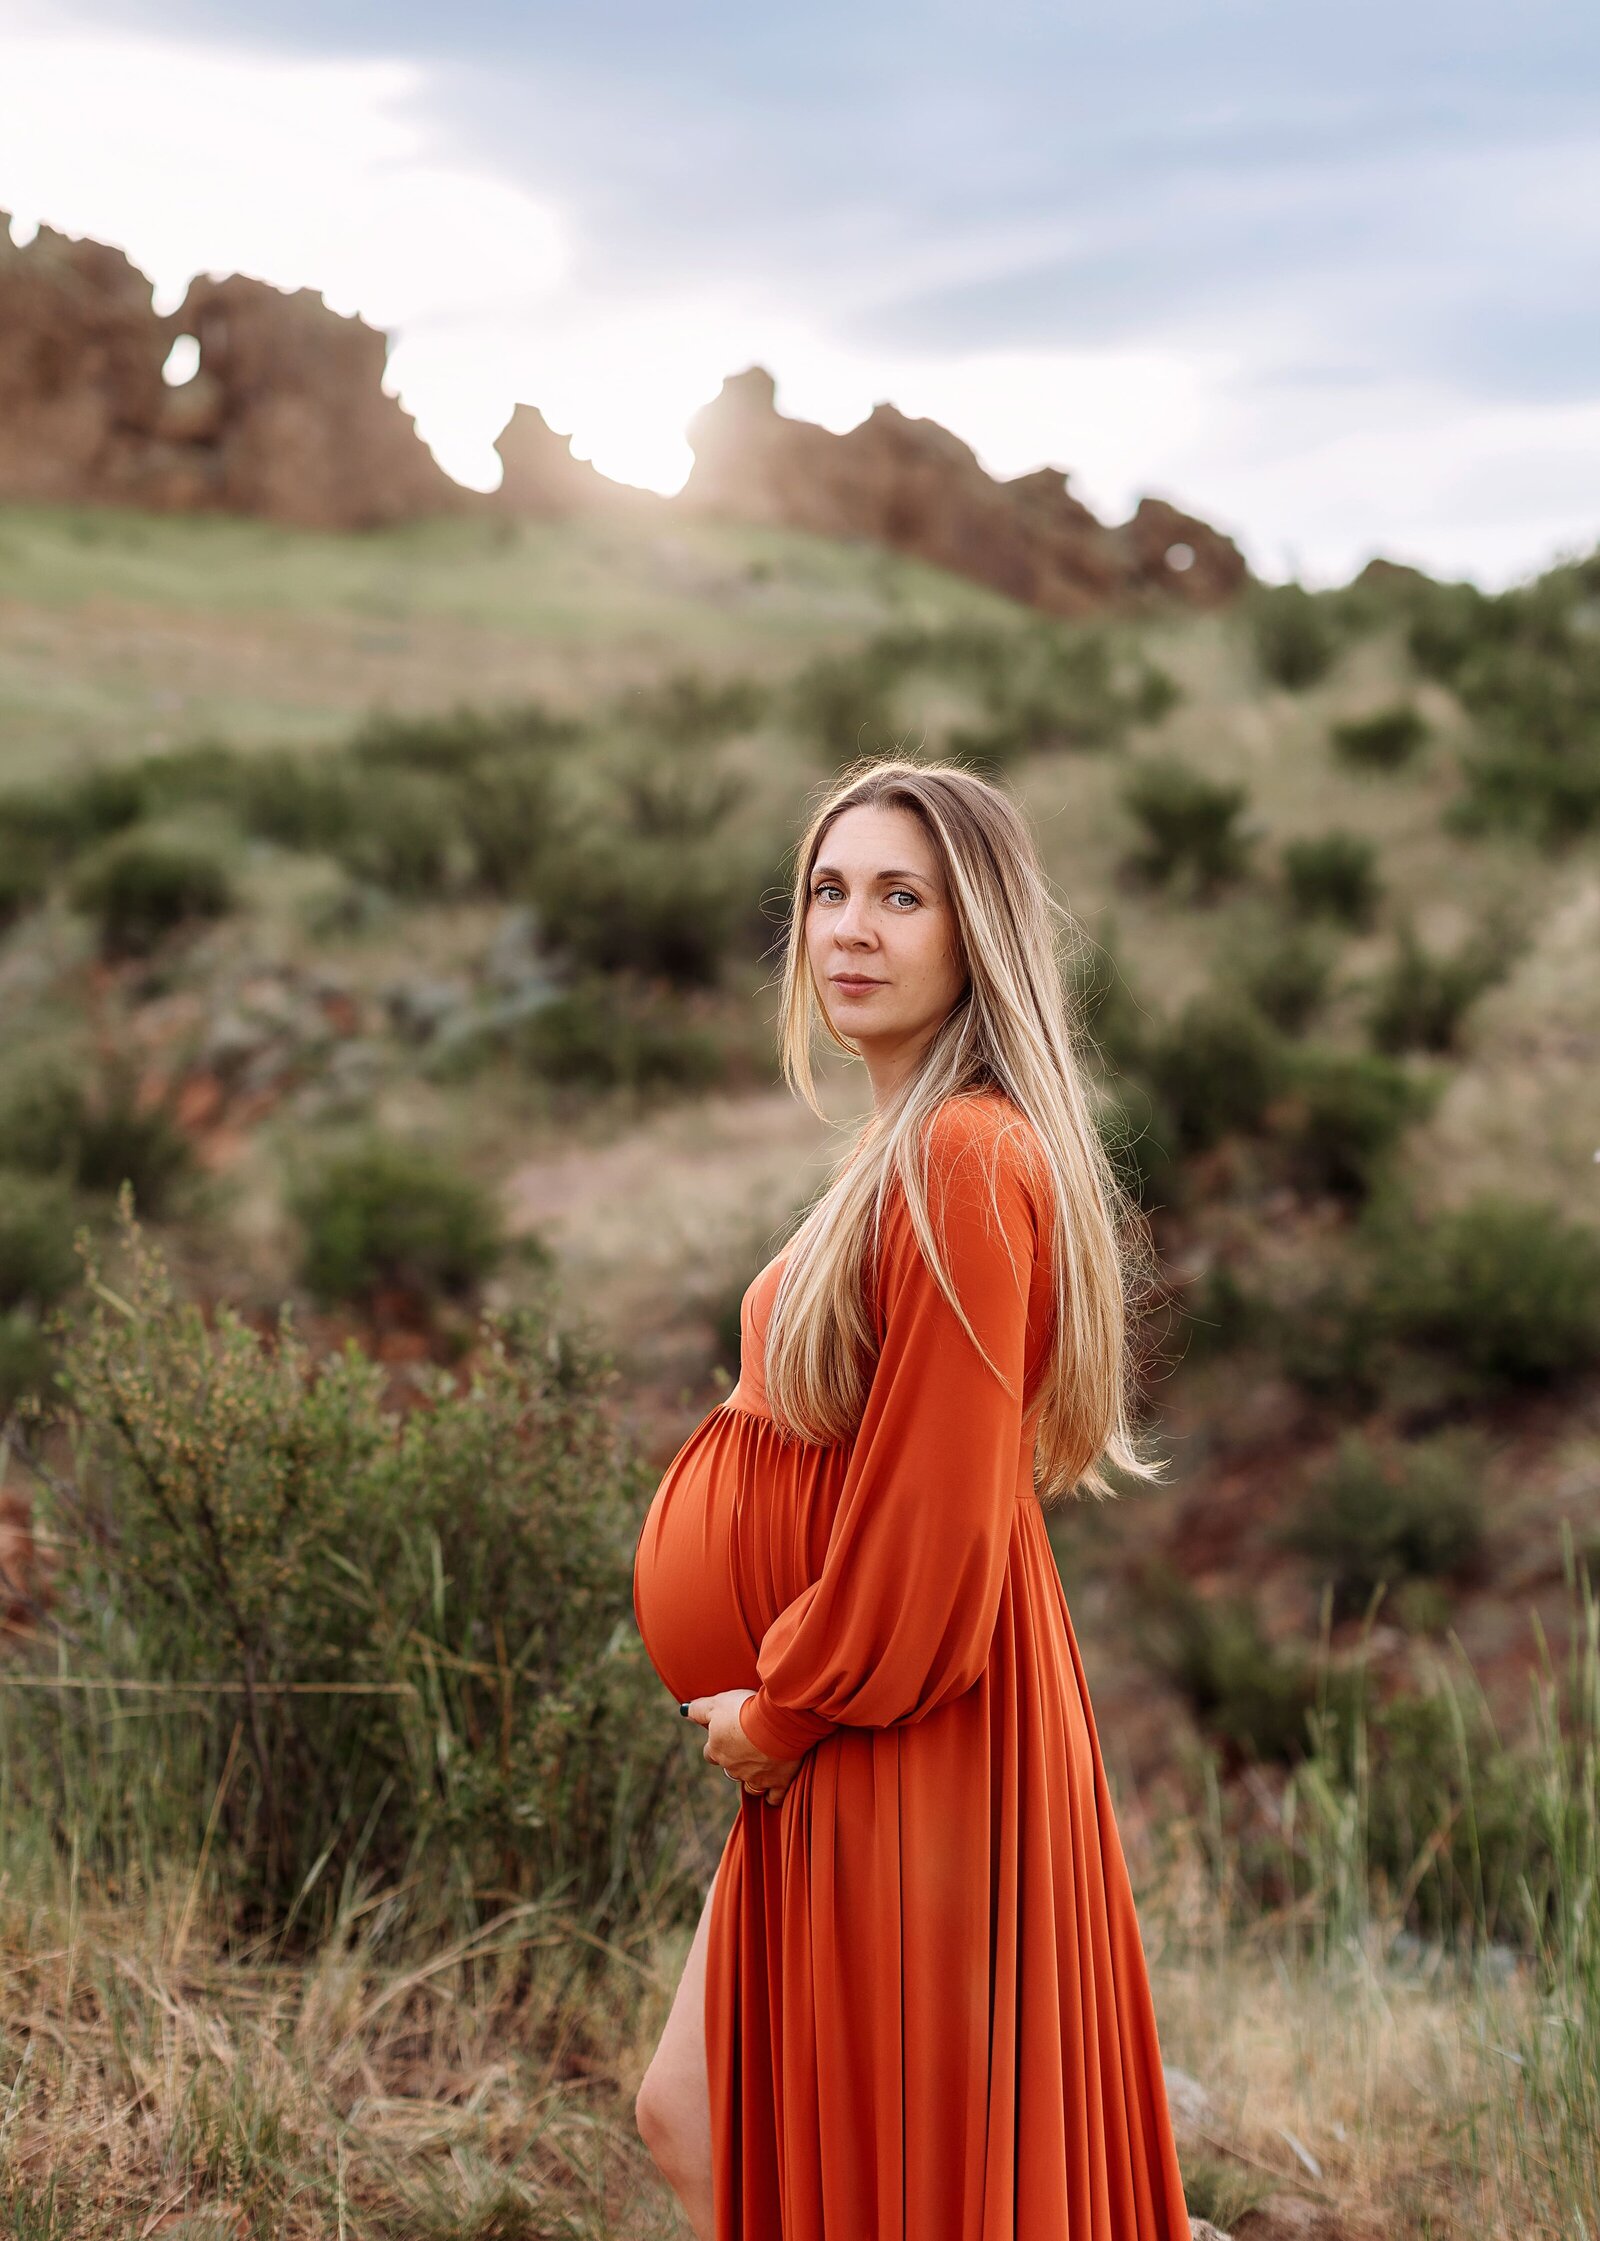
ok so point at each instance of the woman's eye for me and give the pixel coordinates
(910, 898)
(823, 887)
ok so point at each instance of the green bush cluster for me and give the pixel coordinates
(1526, 665)
(1189, 827)
(416, 1630)
(1497, 1297)
(1216, 1067)
(385, 1215)
(86, 1122)
(1376, 1516)
(1386, 740)
(1344, 1115)
(1250, 1694)
(1420, 1000)
(144, 885)
(1294, 633)
(1332, 875)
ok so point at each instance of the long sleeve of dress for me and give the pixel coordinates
(903, 1614)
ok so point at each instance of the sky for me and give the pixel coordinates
(1328, 277)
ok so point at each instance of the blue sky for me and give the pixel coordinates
(1330, 275)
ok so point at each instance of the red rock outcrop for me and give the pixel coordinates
(286, 418)
(913, 486)
(543, 482)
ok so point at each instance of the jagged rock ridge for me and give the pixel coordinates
(287, 420)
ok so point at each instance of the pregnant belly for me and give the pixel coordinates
(684, 1600)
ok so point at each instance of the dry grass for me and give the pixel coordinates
(481, 2092)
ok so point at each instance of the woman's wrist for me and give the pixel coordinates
(778, 1732)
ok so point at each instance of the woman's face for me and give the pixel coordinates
(881, 938)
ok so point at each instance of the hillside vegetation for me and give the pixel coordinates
(397, 918)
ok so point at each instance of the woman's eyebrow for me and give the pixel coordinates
(829, 871)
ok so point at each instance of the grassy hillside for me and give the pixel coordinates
(398, 914)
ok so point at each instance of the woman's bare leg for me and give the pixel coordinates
(673, 2106)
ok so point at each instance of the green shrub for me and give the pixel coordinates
(386, 1215)
(1503, 1293)
(1550, 792)
(507, 807)
(1376, 1516)
(1141, 1139)
(607, 1034)
(442, 745)
(1295, 640)
(23, 884)
(1332, 875)
(1346, 1113)
(89, 1125)
(143, 886)
(1217, 1066)
(1058, 689)
(667, 908)
(407, 834)
(843, 704)
(57, 821)
(688, 709)
(1329, 1342)
(1286, 976)
(1420, 1000)
(1385, 740)
(1220, 1313)
(37, 1220)
(27, 1361)
(1241, 1688)
(1450, 623)
(457, 1579)
(1189, 824)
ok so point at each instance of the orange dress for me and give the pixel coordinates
(928, 2014)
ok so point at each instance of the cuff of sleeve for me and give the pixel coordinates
(777, 1732)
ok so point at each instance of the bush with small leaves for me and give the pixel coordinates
(1377, 1515)
(145, 885)
(23, 884)
(89, 1124)
(1329, 1342)
(386, 1215)
(27, 1362)
(1217, 1067)
(1332, 875)
(666, 907)
(1242, 1689)
(1286, 976)
(1294, 635)
(54, 823)
(420, 1622)
(1344, 1114)
(37, 1220)
(1502, 1293)
(1450, 623)
(1420, 1000)
(1141, 1140)
(1189, 825)
(407, 834)
(608, 1033)
(688, 709)
(1386, 740)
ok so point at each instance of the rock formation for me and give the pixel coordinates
(911, 485)
(286, 418)
(543, 482)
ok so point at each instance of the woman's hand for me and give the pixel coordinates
(728, 1746)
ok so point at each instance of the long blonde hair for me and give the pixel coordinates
(1009, 1032)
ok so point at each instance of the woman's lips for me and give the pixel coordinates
(855, 987)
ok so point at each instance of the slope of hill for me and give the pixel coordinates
(398, 911)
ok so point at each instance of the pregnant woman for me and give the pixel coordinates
(916, 2007)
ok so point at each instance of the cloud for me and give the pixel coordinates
(1329, 275)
